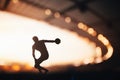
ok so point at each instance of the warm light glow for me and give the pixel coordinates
(16, 34)
(68, 19)
(98, 52)
(15, 1)
(15, 67)
(98, 60)
(108, 46)
(6, 68)
(92, 31)
(27, 67)
(57, 15)
(48, 12)
(88, 60)
(103, 39)
(82, 26)
(109, 53)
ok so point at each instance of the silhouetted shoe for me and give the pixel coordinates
(44, 71)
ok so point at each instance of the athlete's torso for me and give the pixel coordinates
(40, 46)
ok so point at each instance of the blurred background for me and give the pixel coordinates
(88, 29)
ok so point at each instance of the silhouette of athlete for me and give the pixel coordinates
(41, 47)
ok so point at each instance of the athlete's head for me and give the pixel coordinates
(35, 38)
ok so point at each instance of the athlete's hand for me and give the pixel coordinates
(57, 41)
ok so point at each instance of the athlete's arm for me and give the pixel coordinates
(49, 41)
(57, 40)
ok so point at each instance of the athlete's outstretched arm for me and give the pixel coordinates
(57, 40)
(49, 40)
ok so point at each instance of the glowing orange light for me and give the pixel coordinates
(77, 64)
(68, 19)
(48, 12)
(98, 60)
(57, 15)
(15, 1)
(91, 60)
(109, 53)
(87, 61)
(6, 68)
(107, 44)
(15, 67)
(103, 39)
(98, 52)
(92, 31)
(82, 26)
(27, 67)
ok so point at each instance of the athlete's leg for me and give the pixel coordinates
(37, 65)
(42, 69)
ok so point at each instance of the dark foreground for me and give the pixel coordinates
(69, 75)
